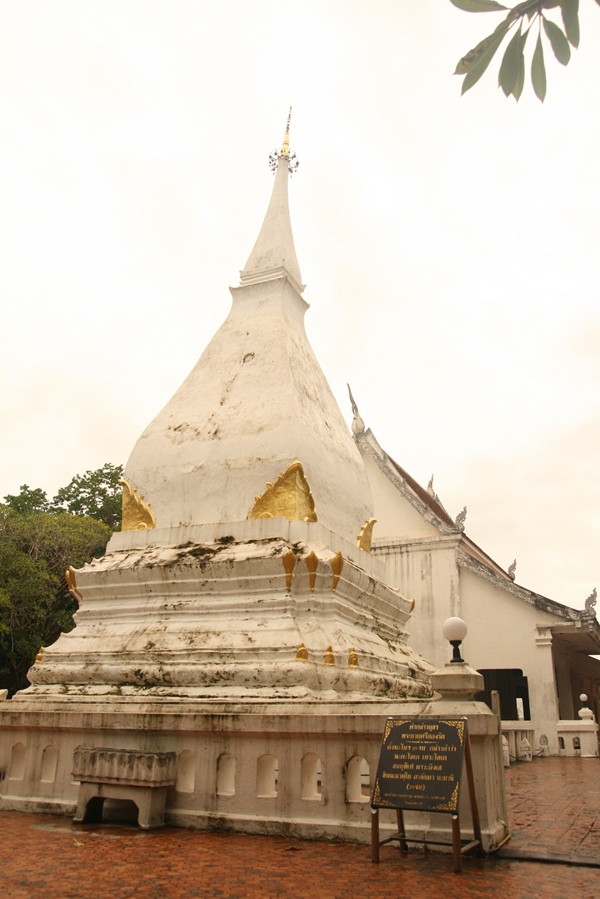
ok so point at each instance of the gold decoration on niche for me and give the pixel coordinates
(72, 584)
(352, 658)
(302, 654)
(312, 562)
(289, 497)
(39, 655)
(289, 563)
(329, 657)
(137, 515)
(363, 541)
(337, 563)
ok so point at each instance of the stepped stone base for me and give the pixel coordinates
(275, 768)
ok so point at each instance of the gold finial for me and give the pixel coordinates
(285, 147)
(302, 654)
(289, 562)
(39, 655)
(337, 563)
(352, 658)
(329, 657)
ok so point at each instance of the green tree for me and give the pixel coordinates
(36, 548)
(529, 17)
(28, 500)
(96, 494)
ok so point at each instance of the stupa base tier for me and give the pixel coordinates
(279, 768)
(239, 681)
(236, 615)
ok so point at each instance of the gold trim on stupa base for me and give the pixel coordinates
(363, 541)
(137, 515)
(337, 563)
(72, 584)
(312, 562)
(289, 497)
(302, 654)
(289, 563)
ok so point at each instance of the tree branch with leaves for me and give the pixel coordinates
(530, 17)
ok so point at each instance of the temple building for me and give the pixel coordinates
(537, 653)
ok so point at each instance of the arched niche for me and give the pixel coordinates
(49, 764)
(16, 770)
(358, 779)
(311, 775)
(266, 776)
(226, 766)
(186, 772)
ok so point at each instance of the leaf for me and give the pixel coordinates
(478, 67)
(478, 5)
(520, 80)
(511, 63)
(570, 17)
(538, 70)
(479, 54)
(560, 44)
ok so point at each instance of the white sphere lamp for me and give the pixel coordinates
(455, 631)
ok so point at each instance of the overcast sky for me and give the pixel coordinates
(449, 245)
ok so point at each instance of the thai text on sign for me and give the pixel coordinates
(420, 764)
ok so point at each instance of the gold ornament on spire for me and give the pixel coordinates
(284, 153)
(289, 497)
(285, 147)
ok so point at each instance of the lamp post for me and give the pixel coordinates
(455, 631)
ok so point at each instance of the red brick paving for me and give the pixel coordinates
(554, 807)
(553, 803)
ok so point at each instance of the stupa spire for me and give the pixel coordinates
(274, 253)
(285, 147)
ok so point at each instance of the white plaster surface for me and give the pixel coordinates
(256, 401)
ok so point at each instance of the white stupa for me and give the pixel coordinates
(238, 648)
(244, 502)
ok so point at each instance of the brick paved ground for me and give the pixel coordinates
(554, 807)
(553, 803)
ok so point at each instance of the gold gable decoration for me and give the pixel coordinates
(289, 497)
(137, 515)
(363, 541)
(72, 584)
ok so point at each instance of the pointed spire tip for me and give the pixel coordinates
(285, 147)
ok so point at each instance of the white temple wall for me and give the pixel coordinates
(504, 631)
(396, 517)
(426, 570)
